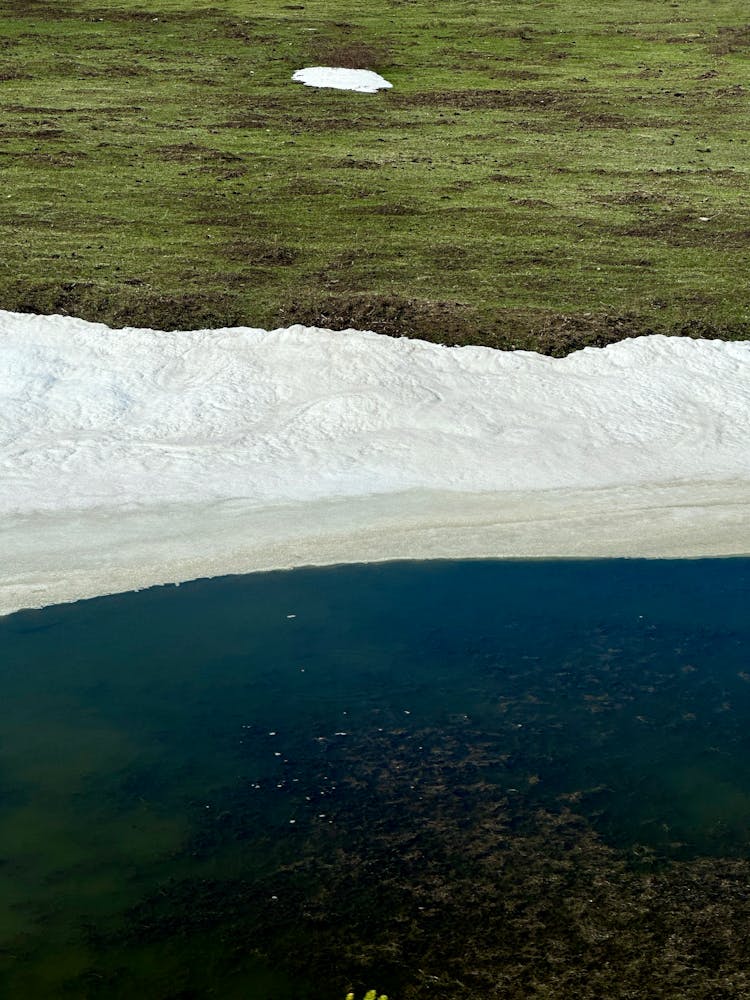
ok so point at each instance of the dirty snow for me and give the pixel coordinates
(364, 81)
(134, 457)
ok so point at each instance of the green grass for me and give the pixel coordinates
(536, 177)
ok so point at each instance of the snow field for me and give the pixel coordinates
(131, 457)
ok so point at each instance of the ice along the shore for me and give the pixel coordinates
(135, 457)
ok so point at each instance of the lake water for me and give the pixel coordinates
(450, 779)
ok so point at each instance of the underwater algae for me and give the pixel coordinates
(450, 779)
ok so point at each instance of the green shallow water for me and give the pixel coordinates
(459, 779)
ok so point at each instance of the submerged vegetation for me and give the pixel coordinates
(423, 857)
(457, 781)
(541, 175)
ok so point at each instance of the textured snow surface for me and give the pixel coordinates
(130, 457)
(364, 81)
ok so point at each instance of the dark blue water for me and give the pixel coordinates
(444, 779)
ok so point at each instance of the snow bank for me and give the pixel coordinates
(133, 457)
(364, 81)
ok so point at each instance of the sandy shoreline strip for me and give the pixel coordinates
(51, 558)
(131, 458)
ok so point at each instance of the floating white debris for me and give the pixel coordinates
(364, 81)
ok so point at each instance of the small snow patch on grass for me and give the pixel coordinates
(364, 81)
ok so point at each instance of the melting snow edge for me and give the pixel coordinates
(129, 458)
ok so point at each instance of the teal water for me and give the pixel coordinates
(399, 775)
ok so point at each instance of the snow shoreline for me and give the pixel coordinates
(131, 458)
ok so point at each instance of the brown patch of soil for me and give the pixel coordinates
(508, 179)
(587, 109)
(230, 175)
(736, 90)
(48, 112)
(132, 302)
(686, 230)
(392, 209)
(732, 39)
(423, 319)
(187, 311)
(310, 186)
(350, 55)
(153, 18)
(558, 335)
(37, 8)
(257, 252)
(459, 186)
(349, 163)
(530, 203)
(242, 30)
(249, 121)
(128, 304)
(518, 74)
(469, 100)
(190, 152)
(336, 44)
(701, 329)
(457, 323)
(45, 133)
(61, 158)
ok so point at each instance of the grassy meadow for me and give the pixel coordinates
(543, 175)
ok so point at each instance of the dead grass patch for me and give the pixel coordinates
(629, 198)
(190, 152)
(729, 40)
(258, 252)
(349, 55)
(392, 209)
(393, 315)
